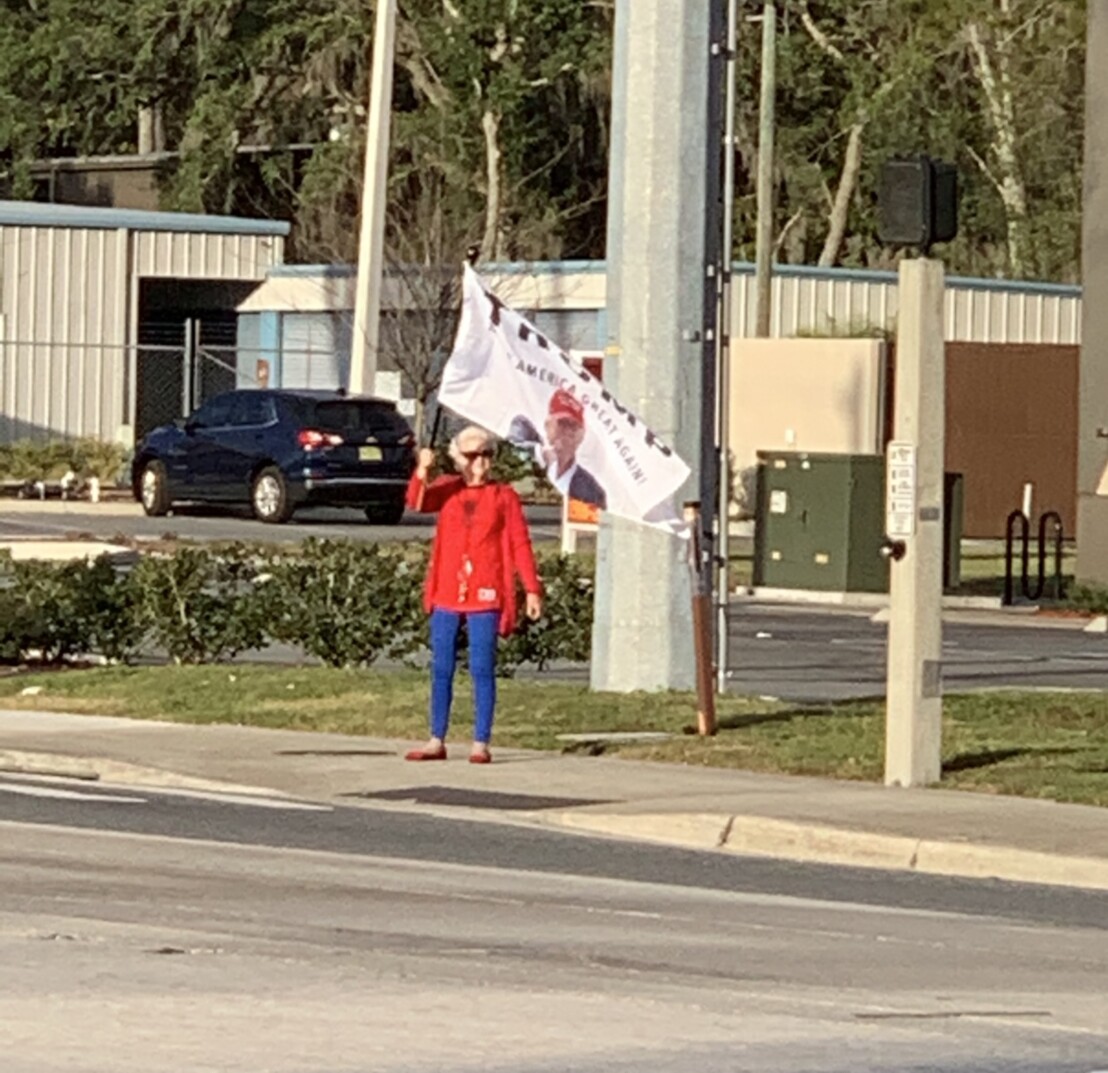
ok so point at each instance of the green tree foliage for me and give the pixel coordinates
(500, 127)
(995, 86)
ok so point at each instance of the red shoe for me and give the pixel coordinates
(426, 754)
(480, 758)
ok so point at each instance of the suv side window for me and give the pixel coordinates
(252, 410)
(215, 413)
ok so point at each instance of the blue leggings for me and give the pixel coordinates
(481, 627)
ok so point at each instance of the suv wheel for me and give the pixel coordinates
(385, 511)
(154, 490)
(269, 496)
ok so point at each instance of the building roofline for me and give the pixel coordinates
(739, 268)
(39, 214)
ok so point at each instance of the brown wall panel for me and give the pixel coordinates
(1011, 418)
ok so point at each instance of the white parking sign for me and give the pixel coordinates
(900, 489)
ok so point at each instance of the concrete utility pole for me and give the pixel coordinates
(914, 524)
(371, 242)
(642, 637)
(1092, 425)
(763, 270)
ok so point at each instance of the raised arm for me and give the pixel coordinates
(429, 497)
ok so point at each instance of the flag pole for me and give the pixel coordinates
(473, 253)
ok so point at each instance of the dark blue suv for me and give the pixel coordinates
(278, 450)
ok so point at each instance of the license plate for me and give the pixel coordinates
(369, 454)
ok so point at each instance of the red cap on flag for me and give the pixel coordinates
(563, 404)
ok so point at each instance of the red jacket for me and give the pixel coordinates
(481, 543)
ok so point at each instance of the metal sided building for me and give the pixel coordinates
(99, 308)
(296, 329)
(297, 325)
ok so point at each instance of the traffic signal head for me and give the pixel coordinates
(918, 202)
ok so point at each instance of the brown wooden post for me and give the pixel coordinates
(702, 627)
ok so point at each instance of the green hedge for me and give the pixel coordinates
(345, 603)
(28, 460)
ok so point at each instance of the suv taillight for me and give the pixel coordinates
(311, 438)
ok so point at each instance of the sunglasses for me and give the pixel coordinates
(472, 456)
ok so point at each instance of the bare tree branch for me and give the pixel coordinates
(493, 240)
(840, 210)
(792, 221)
(992, 72)
(817, 35)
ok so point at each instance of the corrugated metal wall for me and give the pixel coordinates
(63, 358)
(200, 255)
(566, 299)
(824, 301)
(68, 300)
(842, 303)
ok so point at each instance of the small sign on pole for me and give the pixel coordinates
(900, 489)
(577, 517)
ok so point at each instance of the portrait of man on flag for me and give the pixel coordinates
(556, 452)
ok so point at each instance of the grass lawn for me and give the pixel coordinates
(1050, 745)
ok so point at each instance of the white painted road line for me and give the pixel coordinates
(31, 785)
(68, 795)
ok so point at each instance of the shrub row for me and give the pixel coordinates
(345, 603)
(27, 460)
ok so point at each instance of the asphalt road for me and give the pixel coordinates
(817, 655)
(181, 933)
(413, 833)
(227, 524)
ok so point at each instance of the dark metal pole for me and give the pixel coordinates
(710, 446)
(723, 379)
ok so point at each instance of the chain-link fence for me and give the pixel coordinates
(70, 390)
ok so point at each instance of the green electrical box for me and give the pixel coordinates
(820, 523)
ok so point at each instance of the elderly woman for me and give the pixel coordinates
(481, 544)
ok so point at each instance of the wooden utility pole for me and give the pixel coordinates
(371, 242)
(766, 155)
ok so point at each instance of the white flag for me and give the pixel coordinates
(508, 377)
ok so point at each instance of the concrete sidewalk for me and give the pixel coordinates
(934, 831)
(115, 506)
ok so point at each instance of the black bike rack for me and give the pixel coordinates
(1050, 519)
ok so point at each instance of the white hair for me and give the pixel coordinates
(479, 439)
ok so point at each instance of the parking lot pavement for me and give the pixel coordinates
(20, 519)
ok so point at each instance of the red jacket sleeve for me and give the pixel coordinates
(519, 543)
(429, 498)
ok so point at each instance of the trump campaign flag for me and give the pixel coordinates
(506, 376)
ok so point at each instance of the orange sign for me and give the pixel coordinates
(580, 513)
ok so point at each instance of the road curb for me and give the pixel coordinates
(856, 601)
(117, 772)
(824, 844)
